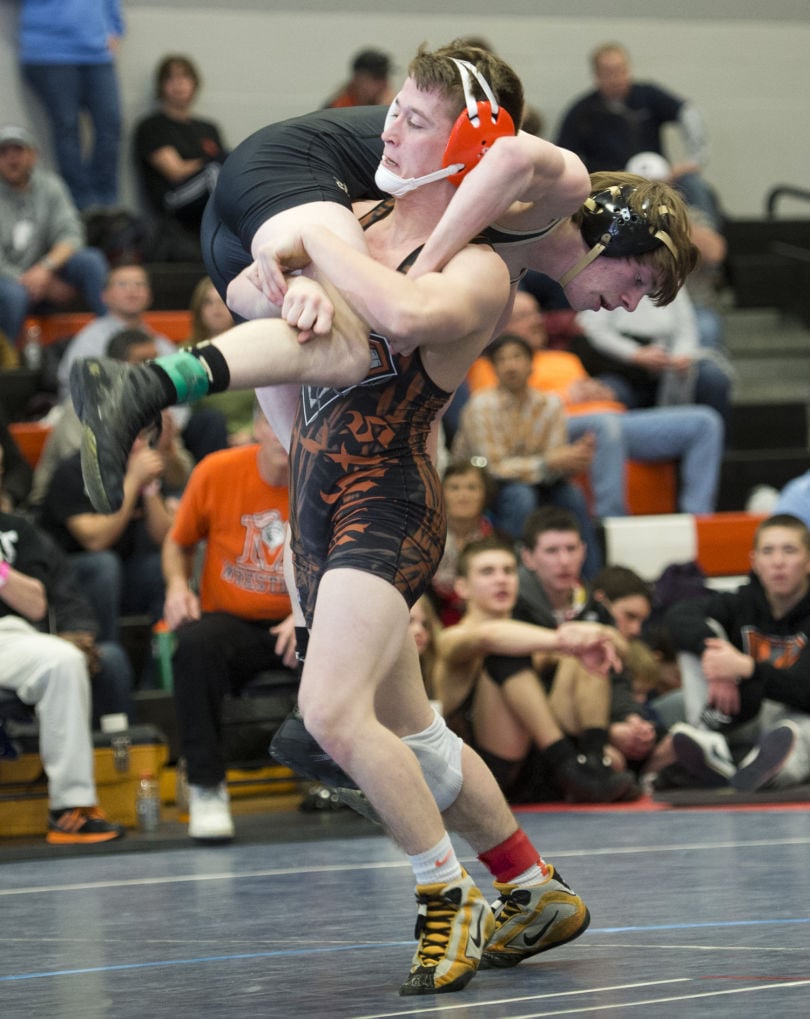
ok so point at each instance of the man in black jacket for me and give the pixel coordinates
(750, 683)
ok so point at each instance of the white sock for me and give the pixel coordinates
(534, 875)
(438, 865)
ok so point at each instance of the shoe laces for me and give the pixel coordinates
(510, 903)
(433, 922)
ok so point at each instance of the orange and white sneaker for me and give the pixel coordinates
(530, 920)
(76, 826)
(453, 925)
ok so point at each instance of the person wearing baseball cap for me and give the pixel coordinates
(44, 261)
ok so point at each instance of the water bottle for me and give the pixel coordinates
(32, 348)
(147, 802)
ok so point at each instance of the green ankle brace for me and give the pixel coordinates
(187, 374)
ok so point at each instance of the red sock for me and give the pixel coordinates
(511, 857)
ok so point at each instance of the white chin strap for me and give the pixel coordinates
(399, 186)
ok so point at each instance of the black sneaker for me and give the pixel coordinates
(295, 748)
(767, 759)
(78, 826)
(115, 402)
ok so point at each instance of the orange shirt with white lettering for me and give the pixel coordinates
(242, 520)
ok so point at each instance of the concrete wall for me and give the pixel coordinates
(744, 63)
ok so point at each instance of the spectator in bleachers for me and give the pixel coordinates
(466, 489)
(44, 262)
(653, 358)
(622, 117)
(425, 628)
(235, 507)
(504, 686)
(520, 435)
(50, 674)
(369, 84)
(745, 669)
(179, 157)
(116, 557)
(67, 54)
(209, 318)
(127, 296)
(691, 435)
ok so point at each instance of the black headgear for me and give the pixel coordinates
(611, 227)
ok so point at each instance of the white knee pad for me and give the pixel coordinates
(438, 751)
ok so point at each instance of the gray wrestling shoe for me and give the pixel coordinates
(115, 402)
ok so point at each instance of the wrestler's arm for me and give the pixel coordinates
(435, 309)
(523, 182)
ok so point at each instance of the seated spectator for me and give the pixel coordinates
(235, 507)
(504, 686)
(466, 490)
(369, 84)
(44, 262)
(652, 357)
(127, 296)
(746, 667)
(210, 317)
(425, 628)
(690, 435)
(50, 674)
(179, 158)
(620, 598)
(622, 117)
(520, 435)
(116, 556)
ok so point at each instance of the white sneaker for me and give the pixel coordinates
(767, 759)
(705, 755)
(209, 813)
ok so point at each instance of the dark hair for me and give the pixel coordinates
(504, 340)
(620, 582)
(375, 63)
(461, 467)
(120, 342)
(491, 543)
(548, 518)
(169, 64)
(784, 520)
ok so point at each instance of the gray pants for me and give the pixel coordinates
(51, 675)
(796, 769)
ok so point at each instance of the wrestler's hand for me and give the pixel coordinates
(307, 306)
(274, 259)
(592, 643)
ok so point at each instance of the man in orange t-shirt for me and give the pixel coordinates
(240, 624)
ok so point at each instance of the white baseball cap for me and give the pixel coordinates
(651, 165)
(13, 134)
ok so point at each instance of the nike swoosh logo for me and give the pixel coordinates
(476, 938)
(444, 859)
(533, 940)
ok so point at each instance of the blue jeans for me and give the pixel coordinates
(113, 683)
(712, 388)
(99, 576)
(65, 91)
(86, 271)
(692, 435)
(516, 500)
